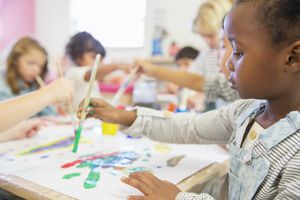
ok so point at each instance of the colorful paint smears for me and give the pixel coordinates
(72, 175)
(127, 171)
(57, 144)
(172, 162)
(118, 160)
(162, 148)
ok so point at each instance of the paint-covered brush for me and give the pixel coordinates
(123, 87)
(86, 103)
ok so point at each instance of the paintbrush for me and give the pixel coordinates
(40, 81)
(86, 103)
(123, 87)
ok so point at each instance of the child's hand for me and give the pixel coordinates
(99, 109)
(145, 66)
(60, 90)
(151, 187)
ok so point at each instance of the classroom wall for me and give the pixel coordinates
(16, 20)
(53, 26)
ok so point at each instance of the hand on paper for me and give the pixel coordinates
(151, 187)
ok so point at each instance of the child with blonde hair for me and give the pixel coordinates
(203, 75)
(26, 61)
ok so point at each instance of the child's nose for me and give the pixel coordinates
(229, 65)
(36, 70)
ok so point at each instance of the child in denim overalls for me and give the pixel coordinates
(264, 134)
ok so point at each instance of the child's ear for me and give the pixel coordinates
(293, 58)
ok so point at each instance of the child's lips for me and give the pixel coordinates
(231, 80)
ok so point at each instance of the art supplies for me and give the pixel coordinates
(109, 128)
(40, 81)
(86, 103)
(123, 87)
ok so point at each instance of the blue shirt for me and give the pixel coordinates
(7, 93)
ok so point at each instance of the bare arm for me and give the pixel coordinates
(106, 69)
(15, 110)
(183, 79)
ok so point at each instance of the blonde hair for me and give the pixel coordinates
(22, 46)
(210, 16)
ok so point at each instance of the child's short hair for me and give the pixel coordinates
(187, 52)
(81, 43)
(280, 18)
(21, 47)
(210, 15)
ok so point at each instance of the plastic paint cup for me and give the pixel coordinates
(109, 129)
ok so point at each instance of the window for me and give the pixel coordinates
(115, 23)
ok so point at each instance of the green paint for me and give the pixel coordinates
(136, 169)
(77, 138)
(86, 164)
(69, 176)
(91, 180)
(145, 160)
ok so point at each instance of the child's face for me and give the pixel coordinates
(256, 67)
(87, 59)
(225, 51)
(31, 64)
(212, 40)
(184, 63)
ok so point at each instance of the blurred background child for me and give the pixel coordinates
(26, 62)
(82, 50)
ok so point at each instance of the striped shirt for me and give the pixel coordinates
(216, 87)
(217, 127)
(206, 64)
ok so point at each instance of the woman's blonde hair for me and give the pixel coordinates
(22, 46)
(210, 16)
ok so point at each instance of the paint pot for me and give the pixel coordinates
(109, 128)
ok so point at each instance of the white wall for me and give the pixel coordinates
(53, 26)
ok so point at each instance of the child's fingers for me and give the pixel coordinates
(144, 178)
(151, 177)
(133, 197)
(137, 184)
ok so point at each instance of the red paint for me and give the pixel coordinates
(71, 164)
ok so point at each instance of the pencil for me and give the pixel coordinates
(86, 103)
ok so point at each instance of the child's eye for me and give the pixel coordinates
(238, 54)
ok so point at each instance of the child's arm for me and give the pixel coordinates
(181, 78)
(213, 127)
(106, 69)
(25, 129)
(17, 109)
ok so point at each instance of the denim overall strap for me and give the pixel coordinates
(249, 167)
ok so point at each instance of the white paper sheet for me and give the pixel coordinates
(153, 156)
